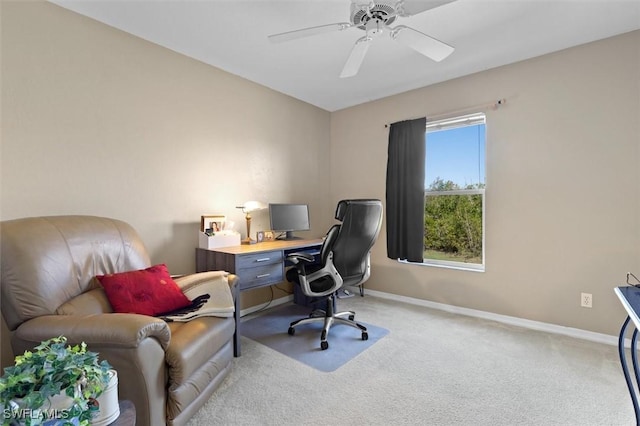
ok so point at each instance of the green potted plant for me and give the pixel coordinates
(55, 383)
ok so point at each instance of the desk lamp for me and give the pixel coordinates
(247, 208)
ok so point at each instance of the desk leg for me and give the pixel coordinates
(634, 357)
(236, 315)
(625, 367)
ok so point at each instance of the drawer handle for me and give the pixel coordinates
(264, 259)
(262, 275)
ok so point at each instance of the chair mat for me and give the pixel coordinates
(345, 342)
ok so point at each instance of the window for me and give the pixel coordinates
(454, 192)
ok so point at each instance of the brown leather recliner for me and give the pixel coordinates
(168, 370)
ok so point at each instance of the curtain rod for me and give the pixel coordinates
(489, 105)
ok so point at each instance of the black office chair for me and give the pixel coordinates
(344, 261)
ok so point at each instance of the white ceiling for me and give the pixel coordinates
(232, 35)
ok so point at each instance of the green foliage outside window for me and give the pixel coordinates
(453, 223)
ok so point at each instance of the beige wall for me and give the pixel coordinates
(96, 121)
(562, 205)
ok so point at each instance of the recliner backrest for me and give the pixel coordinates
(360, 227)
(47, 261)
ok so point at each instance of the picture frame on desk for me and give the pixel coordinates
(260, 236)
(215, 222)
(268, 236)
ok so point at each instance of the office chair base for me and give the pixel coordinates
(329, 319)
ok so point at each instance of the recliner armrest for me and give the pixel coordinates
(134, 345)
(187, 281)
(117, 330)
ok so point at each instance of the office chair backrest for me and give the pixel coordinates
(352, 240)
(329, 241)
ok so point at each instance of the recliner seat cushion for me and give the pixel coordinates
(91, 302)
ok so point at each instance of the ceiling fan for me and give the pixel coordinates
(374, 18)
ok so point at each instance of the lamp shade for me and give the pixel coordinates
(252, 206)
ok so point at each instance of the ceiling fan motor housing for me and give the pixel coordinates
(376, 12)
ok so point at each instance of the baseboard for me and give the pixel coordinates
(520, 322)
(505, 319)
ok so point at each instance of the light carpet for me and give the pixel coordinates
(345, 342)
(433, 368)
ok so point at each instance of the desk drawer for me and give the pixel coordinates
(261, 275)
(258, 259)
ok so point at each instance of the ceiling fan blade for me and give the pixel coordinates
(413, 7)
(306, 32)
(421, 43)
(356, 57)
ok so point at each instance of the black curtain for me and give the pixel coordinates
(405, 190)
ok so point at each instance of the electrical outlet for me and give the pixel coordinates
(586, 300)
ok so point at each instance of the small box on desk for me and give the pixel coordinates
(219, 239)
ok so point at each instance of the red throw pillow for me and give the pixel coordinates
(149, 291)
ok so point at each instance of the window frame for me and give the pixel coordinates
(451, 123)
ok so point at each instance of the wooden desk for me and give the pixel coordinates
(630, 298)
(256, 265)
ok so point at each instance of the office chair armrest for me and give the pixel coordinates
(326, 273)
(296, 258)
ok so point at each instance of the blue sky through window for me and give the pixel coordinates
(456, 154)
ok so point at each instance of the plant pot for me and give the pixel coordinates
(53, 409)
(57, 405)
(108, 402)
(62, 422)
(58, 402)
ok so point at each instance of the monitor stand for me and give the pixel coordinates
(288, 236)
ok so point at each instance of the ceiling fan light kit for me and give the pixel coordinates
(374, 18)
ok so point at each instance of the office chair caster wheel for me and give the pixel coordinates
(324, 345)
(291, 331)
(365, 335)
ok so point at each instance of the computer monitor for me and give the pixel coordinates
(288, 218)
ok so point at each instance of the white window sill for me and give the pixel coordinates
(460, 266)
